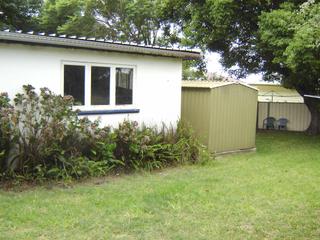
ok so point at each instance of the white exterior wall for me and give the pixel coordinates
(156, 82)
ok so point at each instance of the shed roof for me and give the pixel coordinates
(212, 84)
(277, 93)
(94, 44)
(312, 96)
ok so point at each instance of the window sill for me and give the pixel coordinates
(106, 112)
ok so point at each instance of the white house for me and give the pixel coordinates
(110, 80)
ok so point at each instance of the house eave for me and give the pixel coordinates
(101, 45)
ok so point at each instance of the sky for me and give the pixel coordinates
(213, 65)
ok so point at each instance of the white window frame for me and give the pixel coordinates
(87, 85)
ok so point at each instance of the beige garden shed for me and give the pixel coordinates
(222, 114)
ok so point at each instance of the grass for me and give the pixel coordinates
(271, 194)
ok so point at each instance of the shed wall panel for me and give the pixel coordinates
(298, 114)
(233, 118)
(195, 111)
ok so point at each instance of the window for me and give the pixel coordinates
(100, 86)
(74, 83)
(124, 81)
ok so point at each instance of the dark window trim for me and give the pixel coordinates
(105, 112)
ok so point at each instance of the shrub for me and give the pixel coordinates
(139, 147)
(46, 135)
(104, 149)
(5, 109)
(188, 147)
(148, 148)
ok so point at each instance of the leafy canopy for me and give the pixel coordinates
(139, 21)
(291, 37)
(230, 27)
(19, 14)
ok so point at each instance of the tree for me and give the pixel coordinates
(194, 69)
(291, 37)
(19, 14)
(56, 13)
(71, 17)
(138, 21)
(228, 27)
(277, 38)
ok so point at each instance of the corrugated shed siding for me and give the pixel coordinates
(233, 118)
(298, 114)
(195, 111)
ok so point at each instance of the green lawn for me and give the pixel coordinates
(271, 194)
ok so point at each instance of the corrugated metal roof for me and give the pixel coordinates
(277, 93)
(212, 84)
(95, 44)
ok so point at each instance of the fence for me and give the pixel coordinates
(297, 113)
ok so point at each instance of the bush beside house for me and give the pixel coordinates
(41, 138)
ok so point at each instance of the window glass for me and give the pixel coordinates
(74, 83)
(124, 81)
(100, 85)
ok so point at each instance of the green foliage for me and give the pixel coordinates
(70, 17)
(150, 148)
(289, 38)
(187, 146)
(4, 126)
(75, 168)
(56, 13)
(45, 134)
(225, 26)
(194, 69)
(19, 14)
(139, 21)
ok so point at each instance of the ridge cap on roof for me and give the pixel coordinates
(266, 84)
(215, 84)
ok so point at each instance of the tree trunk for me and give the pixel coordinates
(313, 106)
